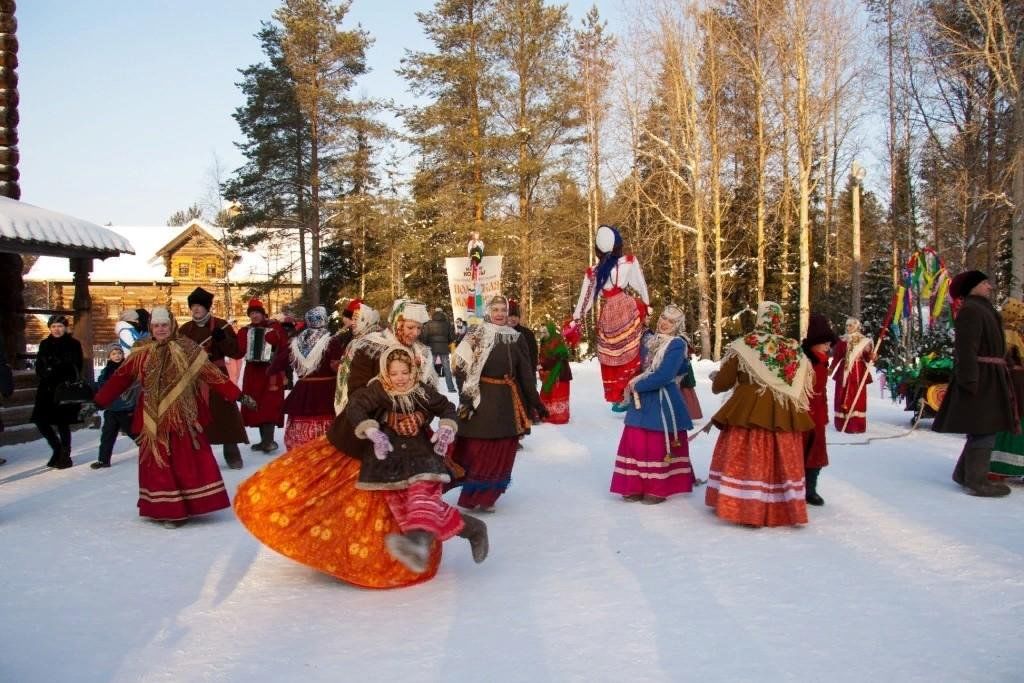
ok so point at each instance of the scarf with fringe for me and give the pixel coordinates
(473, 352)
(402, 401)
(772, 361)
(171, 372)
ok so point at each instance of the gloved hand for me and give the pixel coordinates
(381, 443)
(443, 437)
(247, 401)
(218, 334)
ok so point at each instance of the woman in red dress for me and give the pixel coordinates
(178, 475)
(852, 374)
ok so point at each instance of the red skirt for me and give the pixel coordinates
(619, 330)
(302, 430)
(556, 401)
(757, 477)
(488, 464)
(641, 466)
(305, 505)
(189, 485)
(420, 507)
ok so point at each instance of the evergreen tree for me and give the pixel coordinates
(185, 216)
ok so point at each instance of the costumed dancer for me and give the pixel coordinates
(850, 364)
(178, 475)
(979, 401)
(816, 346)
(259, 341)
(620, 323)
(314, 354)
(498, 394)
(408, 464)
(653, 460)
(217, 337)
(306, 505)
(1008, 453)
(757, 469)
(555, 374)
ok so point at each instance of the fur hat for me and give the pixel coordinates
(607, 239)
(58, 318)
(160, 315)
(255, 305)
(963, 283)
(202, 297)
(819, 331)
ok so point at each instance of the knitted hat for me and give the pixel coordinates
(607, 239)
(116, 346)
(513, 307)
(202, 297)
(819, 331)
(160, 315)
(129, 316)
(963, 283)
(255, 305)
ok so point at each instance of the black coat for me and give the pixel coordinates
(530, 339)
(59, 360)
(438, 333)
(495, 417)
(978, 400)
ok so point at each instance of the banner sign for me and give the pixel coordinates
(460, 284)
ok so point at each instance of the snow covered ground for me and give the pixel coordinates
(900, 576)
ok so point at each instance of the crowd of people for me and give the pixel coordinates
(372, 443)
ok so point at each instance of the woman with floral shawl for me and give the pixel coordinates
(555, 374)
(314, 354)
(757, 469)
(653, 460)
(307, 505)
(178, 475)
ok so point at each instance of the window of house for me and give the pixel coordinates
(211, 270)
(182, 270)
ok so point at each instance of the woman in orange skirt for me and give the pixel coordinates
(306, 506)
(757, 470)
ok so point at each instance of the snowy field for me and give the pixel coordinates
(899, 577)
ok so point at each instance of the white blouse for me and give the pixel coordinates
(627, 273)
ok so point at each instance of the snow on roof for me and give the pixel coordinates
(147, 266)
(44, 231)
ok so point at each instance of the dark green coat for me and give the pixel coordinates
(979, 400)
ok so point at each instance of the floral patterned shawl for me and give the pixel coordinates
(774, 362)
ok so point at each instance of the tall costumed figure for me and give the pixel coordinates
(475, 300)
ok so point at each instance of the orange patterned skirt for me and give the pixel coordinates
(757, 477)
(305, 505)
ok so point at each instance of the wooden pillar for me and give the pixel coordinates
(82, 305)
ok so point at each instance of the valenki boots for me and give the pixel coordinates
(411, 549)
(266, 442)
(976, 464)
(475, 531)
(958, 471)
(232, 457)
(812, 496)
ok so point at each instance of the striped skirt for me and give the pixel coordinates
(642, 468)
(757, 477)
(420, 507)
(302, 429)
(619, 330)
(189, 485)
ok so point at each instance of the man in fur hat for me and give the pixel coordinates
(979, 401)
(258, 342)
(816, 346)
(220, 342)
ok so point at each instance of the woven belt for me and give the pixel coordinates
(522, 422)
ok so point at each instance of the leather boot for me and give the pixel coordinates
(812, 496)
(475, 531)
(64, 460)
(958, 471)
(55, 457)
(267, 437)
(976, 463)
(232, 457)
(412, 549)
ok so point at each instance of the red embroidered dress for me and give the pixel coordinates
(851, 369)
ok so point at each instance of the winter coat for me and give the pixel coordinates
(59, 360)
(126, 401)
(815, 450)
(495, 417)
(226, 419)
(530, 339)
(751, 407)
(127, 335)
(438, 333)
(413, 458)
(660, 397)
(978, 400)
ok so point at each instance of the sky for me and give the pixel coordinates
(126, 104)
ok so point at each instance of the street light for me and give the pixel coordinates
(857, 175)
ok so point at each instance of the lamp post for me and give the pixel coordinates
(857, 175)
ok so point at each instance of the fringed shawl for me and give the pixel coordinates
(474, 351)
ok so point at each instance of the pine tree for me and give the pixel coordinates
(185, 216)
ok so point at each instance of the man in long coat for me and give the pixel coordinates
(220, 342)
(979, 402)
(264, 386)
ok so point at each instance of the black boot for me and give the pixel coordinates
(976, 464)
(412, 549)
(958, 470)
(267, 443)
(232, 458)
(475, 531)
(64, 460)
(812, 487)
(55, 458)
